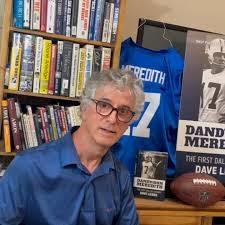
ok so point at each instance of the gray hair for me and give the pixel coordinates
(118, 78)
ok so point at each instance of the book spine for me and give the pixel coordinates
(81, 72)
(65, 5)
(31, 120)
(44, 6)
(37, 15)
(68, 118)
(14, 124)
(98, 20)
(97, 59)
(59, 17)
(6, 76)
(50, 25)
(68, 18)
(57, 121)
(37, 63)
(15, 62)
(115, 20)
(18, 115)
(106, 22)
(76, 111)
(18, 13)
(74, 18)
(27, 63)
(6, 128)
(83, 18)
(26, 15)
(92, 20)
(58, 75)
(111, 14)
(50, 110)
(89, 62)
(31, 14)
(51, 83)
(37, 129)
(66, 67)
(74, 67)
(45, 66)
(106, 58)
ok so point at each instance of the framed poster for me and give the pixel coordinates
(201, 130)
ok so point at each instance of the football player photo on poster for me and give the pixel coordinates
(201, 130)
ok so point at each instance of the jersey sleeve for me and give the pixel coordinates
(13, 192)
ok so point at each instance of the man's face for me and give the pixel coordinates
(106, 130)
(218, 62)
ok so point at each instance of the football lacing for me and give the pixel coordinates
(204, 181)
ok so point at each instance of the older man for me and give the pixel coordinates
(76, 180)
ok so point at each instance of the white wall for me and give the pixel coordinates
(200, 14)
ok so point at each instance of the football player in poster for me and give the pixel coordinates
(212, 99)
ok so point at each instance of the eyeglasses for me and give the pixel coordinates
(123, 113)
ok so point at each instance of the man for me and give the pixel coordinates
(212, 99)
(76, 180)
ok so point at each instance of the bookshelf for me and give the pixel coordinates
(7, 29)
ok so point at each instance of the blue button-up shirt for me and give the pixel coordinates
(49, 186)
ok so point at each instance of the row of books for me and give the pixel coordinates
(41, 66)
(88, 19)
(31, 129)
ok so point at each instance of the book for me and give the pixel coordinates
(6, 127)
(66, 67)
(106, 58)
(14, 124)
(51, 11)
(27, 63)
(15, 62)
(36, 15)
(115, 20)
(26, 14)
(68, 18)
(74, 18)
(51, 83)
(59, 17)
(83, 18)
(18, 8)
(201, 130)
(73, 76)
(37, 63)
(45, 66)
(44, 6)
(150, 175)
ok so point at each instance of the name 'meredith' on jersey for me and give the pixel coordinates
(156, 129)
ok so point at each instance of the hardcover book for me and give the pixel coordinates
(150, 175)
(201, 131)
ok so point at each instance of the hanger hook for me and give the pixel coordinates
(164, 35)
(143, 23)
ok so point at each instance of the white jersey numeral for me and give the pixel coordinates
(142, 130)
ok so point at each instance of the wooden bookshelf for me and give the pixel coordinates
(7, 29)
(31, 94)
(61, 37)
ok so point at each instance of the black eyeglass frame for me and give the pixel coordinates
(113, 108)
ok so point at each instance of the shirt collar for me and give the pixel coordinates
(69, 156)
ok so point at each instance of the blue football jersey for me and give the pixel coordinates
(156, 129)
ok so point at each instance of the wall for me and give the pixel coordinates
(201, 14)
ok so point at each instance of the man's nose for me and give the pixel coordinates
(113, 116)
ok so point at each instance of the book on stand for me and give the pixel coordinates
(150, 175)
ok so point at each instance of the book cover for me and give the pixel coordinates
(68, 18)
(14, 124)
(44, 6)
(15, 62)
(6, 127)
(18, 8)
(59, 17)
(201, 130)
(115, 20)
(51, 12)
(74, 17)
(27, 63)
(83, 18)
(45, 66)
(37, 63)
(66, 67)
(26, 14)
(150, 175)
(51, 83)
(36, 15)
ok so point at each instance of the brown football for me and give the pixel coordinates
(197, 189)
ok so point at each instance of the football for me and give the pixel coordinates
(197, 189)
